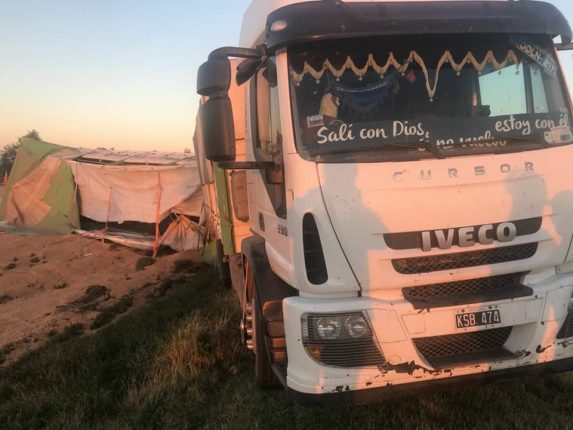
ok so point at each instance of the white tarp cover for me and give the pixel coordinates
(192, 206)
(51, 184)
(181, 235)
(118, 193)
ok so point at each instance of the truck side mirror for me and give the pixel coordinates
(247, 70)
(214, 76)
(218, 130)
(216, 112)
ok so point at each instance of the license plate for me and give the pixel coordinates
(474, 319)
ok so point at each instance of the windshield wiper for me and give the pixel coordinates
(440, 153)
(425, 144)
(532, 137)
(420, 145)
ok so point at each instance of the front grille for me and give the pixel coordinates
(567, 328)
(471, 291)
(465, 348)
(347, 353)
(410, 266)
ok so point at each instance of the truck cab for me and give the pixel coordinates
(409, 198)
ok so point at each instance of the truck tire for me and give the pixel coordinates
(264, 373)
(223, 270)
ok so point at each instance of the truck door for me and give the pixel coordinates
(267, 143)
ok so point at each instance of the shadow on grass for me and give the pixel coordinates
(109, 312)
(177, 363)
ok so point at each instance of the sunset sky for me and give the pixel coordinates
(114, 73)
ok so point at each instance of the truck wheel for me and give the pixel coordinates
(264, 373)
(223, 265)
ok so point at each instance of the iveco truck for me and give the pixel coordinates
(391, 187)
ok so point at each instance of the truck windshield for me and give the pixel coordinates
(392, 100)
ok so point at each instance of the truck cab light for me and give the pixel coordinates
(280, 25)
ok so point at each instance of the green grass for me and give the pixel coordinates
(143, 262)
(110, 312)
(4, 351)
(67, 333)
(177, 363)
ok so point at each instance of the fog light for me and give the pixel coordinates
(315, 351)
(329, 328)
(356, 326)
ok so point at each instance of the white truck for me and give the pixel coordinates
(394, 191)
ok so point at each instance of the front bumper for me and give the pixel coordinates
(380, 393)
(534, 320)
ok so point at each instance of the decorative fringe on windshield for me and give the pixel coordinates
(327, 66)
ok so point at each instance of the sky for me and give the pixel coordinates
(115, 73)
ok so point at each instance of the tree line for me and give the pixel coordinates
(8, 153)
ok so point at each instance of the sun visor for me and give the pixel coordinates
(321, 20)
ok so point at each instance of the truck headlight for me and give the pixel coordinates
(341, 339)
(338, 326)
(356, 326)
(329, 328)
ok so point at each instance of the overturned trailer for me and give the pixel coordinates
(139, 199)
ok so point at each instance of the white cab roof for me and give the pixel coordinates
(255, 18)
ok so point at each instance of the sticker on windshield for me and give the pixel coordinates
(536, 53)
(444, 134)
(558, 135)
(315, 121)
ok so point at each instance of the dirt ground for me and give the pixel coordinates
(50, 283)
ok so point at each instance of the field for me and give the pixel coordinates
(176, 362)
(51, 283)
